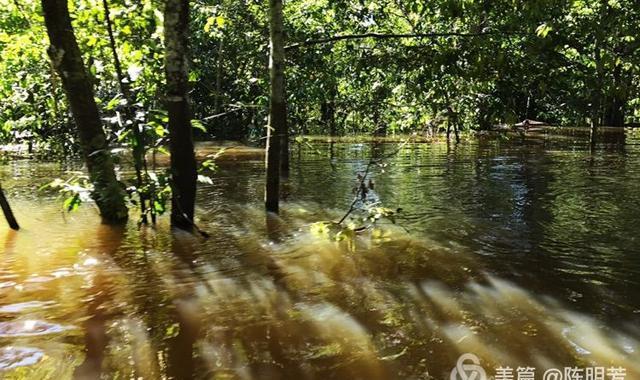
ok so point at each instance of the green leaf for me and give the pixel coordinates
(113, 103)
(543, 29)
(220, 21)
(72, 203)
(197, 124)
(160, 130)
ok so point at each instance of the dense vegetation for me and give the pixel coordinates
(389, 67)
(490, 61)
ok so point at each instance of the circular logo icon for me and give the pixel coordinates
(468, 371)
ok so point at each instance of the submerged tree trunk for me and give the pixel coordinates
(183, 161)
(452, 120)
(8, 213)
(138, 146)
(66, 57)
(277, 107)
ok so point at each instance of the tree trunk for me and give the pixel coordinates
(284, 150)
(452, 120)
(616, 101)
(328, 112)
(138, 145)
(183, 161)
(8, 214)
(66, 57)
(277, 107)
(217, 104)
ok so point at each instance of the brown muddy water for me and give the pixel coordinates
(521, 252)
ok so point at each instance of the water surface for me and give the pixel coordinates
(522, 251)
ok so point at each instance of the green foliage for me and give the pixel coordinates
(561, 62)
(75, 191)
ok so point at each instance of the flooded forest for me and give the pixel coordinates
(320, 189)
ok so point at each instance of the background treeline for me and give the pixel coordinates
(406, 63)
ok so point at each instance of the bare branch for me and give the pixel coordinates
(383, 36)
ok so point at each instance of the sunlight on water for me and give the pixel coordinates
(268, 299)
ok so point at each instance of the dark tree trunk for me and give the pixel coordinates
(327, 110)
(66, 57)
(616, 102)
(484, 117)
(452, 120)
(138, 146)
(328, 114)
(183, 161)
(8, 213)
(217, 100)
(614, 112)
(277, 107)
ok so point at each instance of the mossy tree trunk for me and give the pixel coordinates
(277, 130)
(65, 55)
(183, 161)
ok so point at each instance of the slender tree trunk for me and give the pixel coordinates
(54, 89)
(328, 112)
(114, 51)
(183, 161)
(597, 102)
(452, 120)
(138, 145)
(216, 101)
(8, 214)
(277, 107)
(284, 150)
(66, 57)
(616, 101)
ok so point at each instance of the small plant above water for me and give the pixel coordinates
(364, 214)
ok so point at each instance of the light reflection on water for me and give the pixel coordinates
(522, 253)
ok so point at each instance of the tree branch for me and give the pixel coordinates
(383, 36)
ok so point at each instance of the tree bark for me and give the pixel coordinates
(183, 161)
(66, 58)
(277, 106)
